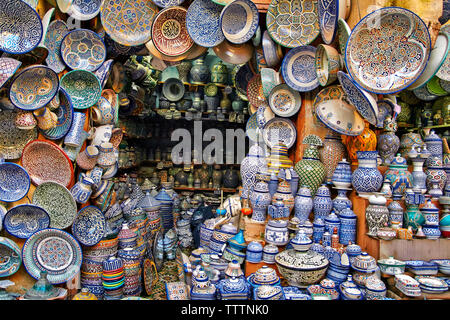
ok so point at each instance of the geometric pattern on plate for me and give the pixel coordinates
(23, 220)
(340, 116)
(56, 32)
(89, 226)
(83, 88)
(8, 67)
(298, 68)
(284, 101)
(279, 130)
(65, 115)
(84, 9)
(239, 21)
(14, 182)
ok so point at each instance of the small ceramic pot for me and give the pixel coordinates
(327, 63)
(74, 137)
(87, 159)
(46, 119)
(106, 156)
(100, 135)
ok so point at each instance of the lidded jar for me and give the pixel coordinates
(303, 203)
(276, 232)
(434, 144)
(435, 173)
(398, 175)
(347, 230)
(342, 175)
(260, 198)
(250, 166)
(322, 202)
(388, 142)
(395, 213)
(199, 72)
(254, 252)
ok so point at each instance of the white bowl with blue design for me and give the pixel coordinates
(298, 68)
(239, 21)
(24, 220)
(14, 181)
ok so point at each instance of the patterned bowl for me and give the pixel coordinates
(298, 68)
(234, 53)
(11, 257)
(23, 220)
(8, 67)
(55, 33)
(83, 88)
(89, 226)
(203, 23)
(15, 181)
(239, 21)
(84, 10)
(64, 112)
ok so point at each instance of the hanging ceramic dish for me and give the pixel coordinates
(128, 23)
(328, 14)
(89, 226)
(334, 92)
(64, 112)
(8, 67)
(340, 117)
(154, 52)
(13, 139)
(270, 79)
(327, 63)
(84, 9)
(252, 129)
(83, 88)
(104, 71)
(56, 32)
(64, 5)
(169, 33)
(239, 21)
(434, 87)
(32, 3)
(293, 23)
(150, 275)
(423, 94)
(167, 3)
(344, 32)
(255, 93)
(263, 115)
(241, 76)
(272, 51)
(23, 220)
(20, 27)
(385, 108)
(284, 101)
(54, 251)
(46, 161)
(445, 85)
(83, 49)
(279, 130)
(58, 202)
(234, 53)
(33, 88)
(9, 256)
(298, 69)
(14, 181)
(397, 33)
(363, 101)
(203, 23)
(444, 71)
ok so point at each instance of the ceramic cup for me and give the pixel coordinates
(74, 137)
(328, 62)
(106, 156)
(46, 119)
(103, 112)
(100, 135)
(87, 159)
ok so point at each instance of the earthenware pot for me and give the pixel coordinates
(398, 175)
(331, 153)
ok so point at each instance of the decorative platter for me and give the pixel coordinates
(385, 108)
(128, 22)
(13, 139)
(169, 33)
(14, 181)
(83, 88)
(20, 27)
(434, 87)
(252, 128)
(398, 33)
(58, 202)
(203, 23)
(34, 87)
(150, 275)
(279, 130)
(298, 69)
(272, 51)
(423, 94)
(89, 226)
(340, 116)
(8, 66)
(344, 32)
(54, 251)
(444, 71)
(46, 161)
(284, 101)
(363, 101)
(64, 112)
(23, 220)
(167, 3)
(293, 23)
(56, 32)
(104, 71)
(10, 257)
(328, 15)
(255, 92)
(234, 53)
(83, 49)
(333, 92)
(239, 21)
(241, 76)
(270, 79)
(84, 9)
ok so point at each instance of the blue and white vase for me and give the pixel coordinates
(342, 175)
(322, 202)
(367, 179)
(395, 213)
(347, 231)
(278, 210)
(276, 232)
(165, 210)
(82, 190)
(434, 145)
(273, 184)
(431, 232)
(341, 202)
(303, 204)
(293, 181)
(332, 221)
(260, 198)
(318, 229)
(253, 163)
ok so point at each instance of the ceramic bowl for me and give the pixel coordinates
(238, 27)
(298, 68)
(104, 71)
(391, 266)
(84, 10)
(15, 181)
(89, 226)
(14, 139)
(284, 101)
(272, 51)
(340, 117)
(327, 64)
(269, 79)
(8, 66)
(255, 92)
(23, 220)
(279, 130)
(64, 112)
(83, 88)
(328, 13)
(234, 53)
(64, 5)
(56, 32)
(173, 89)
(12, 257)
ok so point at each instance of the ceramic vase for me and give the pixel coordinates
(398, 175)
(183, 70)
(331, 153)
(284, 192)
(367, 178)
(106, 155)
(342, 175)
(250, 165)
(199, 72)
(347, 231)
(82, 190)
(341, 201)
(318, 229)
(366, 141)
(408, 140)
(435, 173)
(395, 213)
(377, 214)
(303, 204)
(419, 178)
(322, 202)
(388, 142)
(278, 159)
(260, 198)
(166, 209)
(434, 145)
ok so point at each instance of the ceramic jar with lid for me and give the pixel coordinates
(342, 176)
(388, 142)
(435, 173)
(398, 175)
(278, 210)
(349, 290)
(84, 295)
(260, 198)
(332, 152)
(303, 203)
(434, 144)
(276, 232)
(250, 166)
(264, 276)
(254, 252)
(341, 202)
(318, 229)
(353, 250)
(199, 72)
(284, 192)
(364, 266)
(347, 231)
(367, 178)
(233, 288)
(395, 213)
(408, 140)
(377, 214)
(332, 221)
(430, 212)
(322, 202)
(419, 178)
(219, 73)
(307, 227)
(269, 252)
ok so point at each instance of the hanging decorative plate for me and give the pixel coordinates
(251, 128)
(34, 87)
(20, 27)
(83, 88)
(363, 101)
(203, 23)
(32, 3)
(46, 161)
(84, 9)
(284, 101)
(234, 53)
(444, 71)
(279, 130)
(169, 33)
(241, 76)
(128, 22)
(298, 68)
(385, 108)
(8, 67)
(54, 251)
(10, 257)
(103, 72)
(293, 23)
(328, 13)
(340, 117)
(423, 94)
(272, 51)
(255, 94)
(344, 32)
(89, 226)
(56, 32)
(263, 115)
(83, 49)
(64, 112)
(270, 79)
(58, 202)
(23, 220)
(445, 85)
(222, 2)
(167, 3)
(13, 139)
(239, 21)
(380, 36)
(150, 275)
(334, 92)
(434, 87)
(14, 181)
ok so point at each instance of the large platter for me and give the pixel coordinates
(340, 116)
(24, 220)
(14, 182)
(84, 9)
(284, 101)
(89, 226)
(13, 139)
(167, 3)
(333, 92)
(444, 71)
(239, 21)
(388, 50)
(65, 115)
(298, 68)
(279, 130)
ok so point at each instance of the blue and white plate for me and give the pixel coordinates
(239, 21)
(203, 23)
(167, 3)
(298, 68)
(279, 130)
(103, 72)
(89, 226)
(284, 101)
(14, 181)
(385, 108)
(328, 11)
(272, 51)
(56, 32)
(11, 257)
(84, 9)
(252, 128)
(20, 27)
(24, 220)
(8, 66)
(364, 102)
(65, 115)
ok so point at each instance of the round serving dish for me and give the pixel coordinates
(24, 220)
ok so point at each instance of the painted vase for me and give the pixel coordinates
(377, 214)
(82, 190)
(342, 175)
(398, 175)
(347, 231)
(367, 178)
(230, 178)
(331, 153)
(278, 159)
(322, 202)
(435, 173)
(366, 141)
(419, 178)
(199, 72)
(278, 210)
(434, 146)
(341, 202)
(260, 198)
(318, 229)
(395, 213)
(219, 73)
(408, 140)
(332, 221)
(276, 232)
(388, 142)
(303, 204)
(284, 192)
(250, 165)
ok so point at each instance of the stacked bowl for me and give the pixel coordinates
(113, 278)
(132, 271)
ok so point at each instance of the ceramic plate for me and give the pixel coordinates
(150, 275)
(328, 15)
(255, 94)
(83, 49)
(241, 76)
(334, 92)
(20, 27)
(65, 115)
(298, 69)
(54, 251)
(169, 33)
(272, 51)
(293, 23)
(103, 72)
(363, 101)
(46, 161)
(9, 256)
(203, 23)
(14, 182)
(167, 3)
(83, 88)
(279, 130)
(284, 101)
(433, 282)
(434, 87)
(8, 67)
(385, 108)
(344, 32)
(423, 94)
(128, 22)
(340, 117)
(24, 220)
(263, 115)
(445, 85)
(84, 9)
(239, 21)
(397, 33)
(13, 139)
(251, 128)
(34, 87)
(56, 32)
(270, 79)
(58, 202)
(89, 226)
(444, 71)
